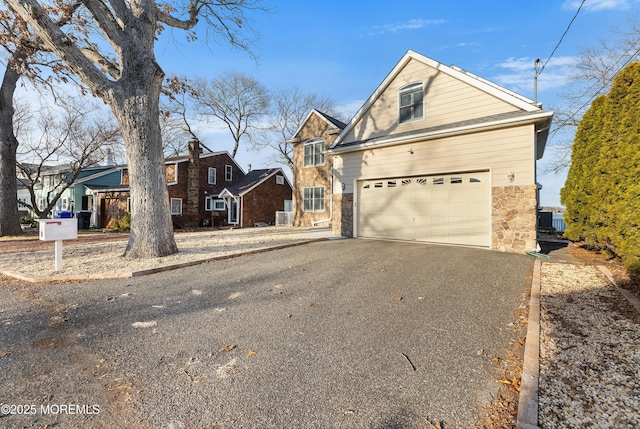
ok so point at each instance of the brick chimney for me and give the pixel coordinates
(193, 181)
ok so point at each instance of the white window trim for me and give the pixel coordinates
(219, 205)
(279, 180)
(209, 171)
(176, 199)
(409, 88)
(313, 199)
(313, 143)
(228, 173)
(208, 204)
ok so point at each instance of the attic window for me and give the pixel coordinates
(411, 102)
(279, 180)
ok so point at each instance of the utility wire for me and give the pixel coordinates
(602, 87)
(561, 38)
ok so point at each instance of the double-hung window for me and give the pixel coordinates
(314, 152)
(411, 102)
(314, 199)
(228, 173)
(176, 206)
(211, 176)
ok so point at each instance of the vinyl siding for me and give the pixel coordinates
(501, 151)
(447, 100)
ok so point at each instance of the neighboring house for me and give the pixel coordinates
(313, 169)
(78, 197)
(206, 189)
(435, 154)
(255, 198)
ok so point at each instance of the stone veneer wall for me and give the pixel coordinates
(343, 215)
(513, 218)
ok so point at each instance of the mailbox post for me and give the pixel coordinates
(58, 230)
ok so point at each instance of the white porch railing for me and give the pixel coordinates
(284, 218)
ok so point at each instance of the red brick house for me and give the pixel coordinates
(195, 183)
(255, 198)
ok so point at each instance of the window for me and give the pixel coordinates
(411, 102)
(65, 204)
(314, 152)
(391, 184)
(176, 206)
(228, 173)
(208, 204)
(211, 176)
(279, 180)
(438, 181)
(314, 199)
(219, 205)
(129, 204)
(456, 180)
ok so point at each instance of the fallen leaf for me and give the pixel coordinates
(397, 298)
(522, 340)
(251, 353)
(227, 348)
(310, 304)
(496, 359)
(3, 354)
(503, 381)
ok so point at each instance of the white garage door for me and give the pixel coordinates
(452, 208)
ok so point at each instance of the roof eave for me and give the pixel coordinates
(540, 118)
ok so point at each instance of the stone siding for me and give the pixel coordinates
(306, 177)
(343, 215)
(514, 218)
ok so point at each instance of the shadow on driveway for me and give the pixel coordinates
(348, 333)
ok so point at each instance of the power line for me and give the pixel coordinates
(561, 38)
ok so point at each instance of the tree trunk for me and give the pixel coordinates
(9, 219)
(136, 107)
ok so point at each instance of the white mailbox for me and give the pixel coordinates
(58, 229)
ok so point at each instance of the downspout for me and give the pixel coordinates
(314, 223)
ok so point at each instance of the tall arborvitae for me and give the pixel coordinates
(602, 191)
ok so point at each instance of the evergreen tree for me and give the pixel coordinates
(602, 191)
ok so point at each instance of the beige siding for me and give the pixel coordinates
(501, 151)
(447, 100)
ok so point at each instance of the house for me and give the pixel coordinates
(78, 197)
(255, 198)
(313, 169)
(205, 189)
(435, 154)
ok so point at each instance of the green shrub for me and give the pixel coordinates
(124, 223)
(29, 220)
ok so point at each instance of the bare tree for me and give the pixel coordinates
(74, 139)
(289, 107)
(175, 120)
(593, 75)
(24, 58)
(239, 101)
(121, 68)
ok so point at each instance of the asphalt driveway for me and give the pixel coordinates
(345, 333)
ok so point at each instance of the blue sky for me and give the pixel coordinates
(344, 49)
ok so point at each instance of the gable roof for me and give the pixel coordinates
(250, 181)
(333, 122)
(527, 108)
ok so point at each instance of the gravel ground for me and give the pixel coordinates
(80, 258)
(589, 351)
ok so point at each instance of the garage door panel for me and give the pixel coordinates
(453, 208)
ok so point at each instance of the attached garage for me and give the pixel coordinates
(447, 208)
